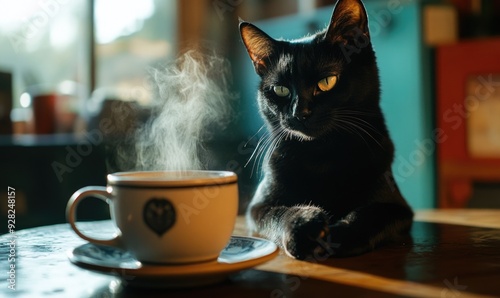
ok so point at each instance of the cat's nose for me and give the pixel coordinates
(302, 114)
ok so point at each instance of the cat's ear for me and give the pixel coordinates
(259, 45)
(349, 22)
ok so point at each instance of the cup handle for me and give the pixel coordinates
(99, 192)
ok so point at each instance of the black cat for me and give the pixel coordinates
(327, 182)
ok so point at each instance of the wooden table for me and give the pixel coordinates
(451, 253)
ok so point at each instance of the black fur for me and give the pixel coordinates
(327, 185)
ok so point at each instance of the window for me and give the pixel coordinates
(44, 43)
(48, 44)
(131, 36)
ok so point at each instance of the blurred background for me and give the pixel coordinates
(74, 82)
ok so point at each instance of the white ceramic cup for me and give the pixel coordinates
(166, 217)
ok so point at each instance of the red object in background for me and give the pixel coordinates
(457, 169)
(44, 113)
(466, 7)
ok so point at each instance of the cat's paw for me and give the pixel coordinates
(306, 234)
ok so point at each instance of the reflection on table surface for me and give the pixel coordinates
(449, 254)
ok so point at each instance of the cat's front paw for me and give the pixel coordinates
(306, 234)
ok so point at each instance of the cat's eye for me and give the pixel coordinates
(281, 91)
(327, 83)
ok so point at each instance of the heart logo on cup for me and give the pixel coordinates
(159, 215)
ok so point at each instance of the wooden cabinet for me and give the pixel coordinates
(468, 113)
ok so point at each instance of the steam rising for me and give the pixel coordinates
(193, 100)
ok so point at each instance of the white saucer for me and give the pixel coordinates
(240, 253)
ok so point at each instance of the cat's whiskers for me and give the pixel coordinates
(254, 135)
(276, 137)
(276, 141)
(297, 135)
(339, 124)
(259, 143)
(266, 145)
(354, 112)
(264, 142)
(363, 123)
(353, 118)
(356, 128)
